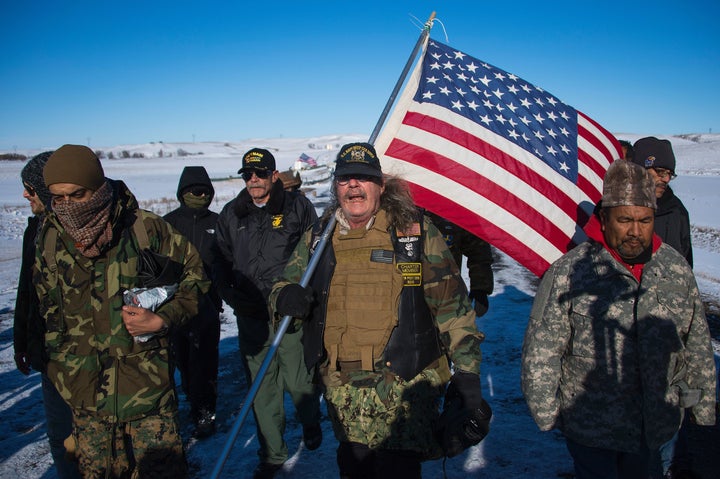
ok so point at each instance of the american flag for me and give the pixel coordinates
(498, 156)
(309, 160)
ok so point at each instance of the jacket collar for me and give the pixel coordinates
(244, 204)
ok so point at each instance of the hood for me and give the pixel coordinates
(194, 175)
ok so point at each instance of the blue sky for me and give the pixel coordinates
(109, 73)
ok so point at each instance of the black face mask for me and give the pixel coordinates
(196, 202)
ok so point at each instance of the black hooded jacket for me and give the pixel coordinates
(28, 326)
(197, 224)
(672, 224)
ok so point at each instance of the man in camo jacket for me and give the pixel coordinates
(121, 390)
(386, 286)
(617, 344)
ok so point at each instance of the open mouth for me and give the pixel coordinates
(357, 197)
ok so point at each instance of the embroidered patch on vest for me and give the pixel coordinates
(409, 244)
(277, 221)
(410, 239)
(381, 256)
(411, 273)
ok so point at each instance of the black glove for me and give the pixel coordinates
(294, 300)
(480, 302)
(465, 420)
(465, 387)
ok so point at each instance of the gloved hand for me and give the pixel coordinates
(294, 300)
(480, 302)
(22, 361)
(465, 387)
(465, 420)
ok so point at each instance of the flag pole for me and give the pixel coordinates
(423, 36)
(312, 264)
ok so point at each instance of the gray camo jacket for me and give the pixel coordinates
(611, 362)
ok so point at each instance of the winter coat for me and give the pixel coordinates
(672, 224)
(606, 358)
(255, 243)
(28, 327)
(94, 362)
(198, 224)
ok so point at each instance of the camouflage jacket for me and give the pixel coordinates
(477, 251)
(445, 294)
(606, 358)
(93, 361)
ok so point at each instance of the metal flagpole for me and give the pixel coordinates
(425, 33)
(312, 264)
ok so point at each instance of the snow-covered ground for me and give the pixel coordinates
(514, 449)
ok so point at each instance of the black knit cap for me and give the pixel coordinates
(258, 159)
(358, 159)
(32, 175)
(651, 152)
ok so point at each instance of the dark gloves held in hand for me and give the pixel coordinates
(465, 420)
(294, 300)
(480, 302)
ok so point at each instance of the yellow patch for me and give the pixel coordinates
(411, 273)
(277, 221)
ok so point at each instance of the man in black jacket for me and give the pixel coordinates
(672, 221)
(195, 344)
(672, 224)
(28, 326)
(256, 233)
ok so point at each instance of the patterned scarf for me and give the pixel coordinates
(88, 222)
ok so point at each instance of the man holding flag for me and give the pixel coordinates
(384, 312)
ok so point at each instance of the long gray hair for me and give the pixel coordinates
(396, 200)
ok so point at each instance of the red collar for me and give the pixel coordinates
(594, 231)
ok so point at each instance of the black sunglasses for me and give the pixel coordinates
(261, 174)
(343, 180)
(31, 191)
(199, 190)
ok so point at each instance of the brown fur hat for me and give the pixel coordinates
(628, 184)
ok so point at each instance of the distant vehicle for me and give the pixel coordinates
(311, 171)
(315, 174)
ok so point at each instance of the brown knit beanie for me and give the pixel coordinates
(628, 184)
(76, 164)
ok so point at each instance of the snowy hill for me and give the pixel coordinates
(515, 448)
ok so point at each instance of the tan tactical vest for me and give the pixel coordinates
(363, 300)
